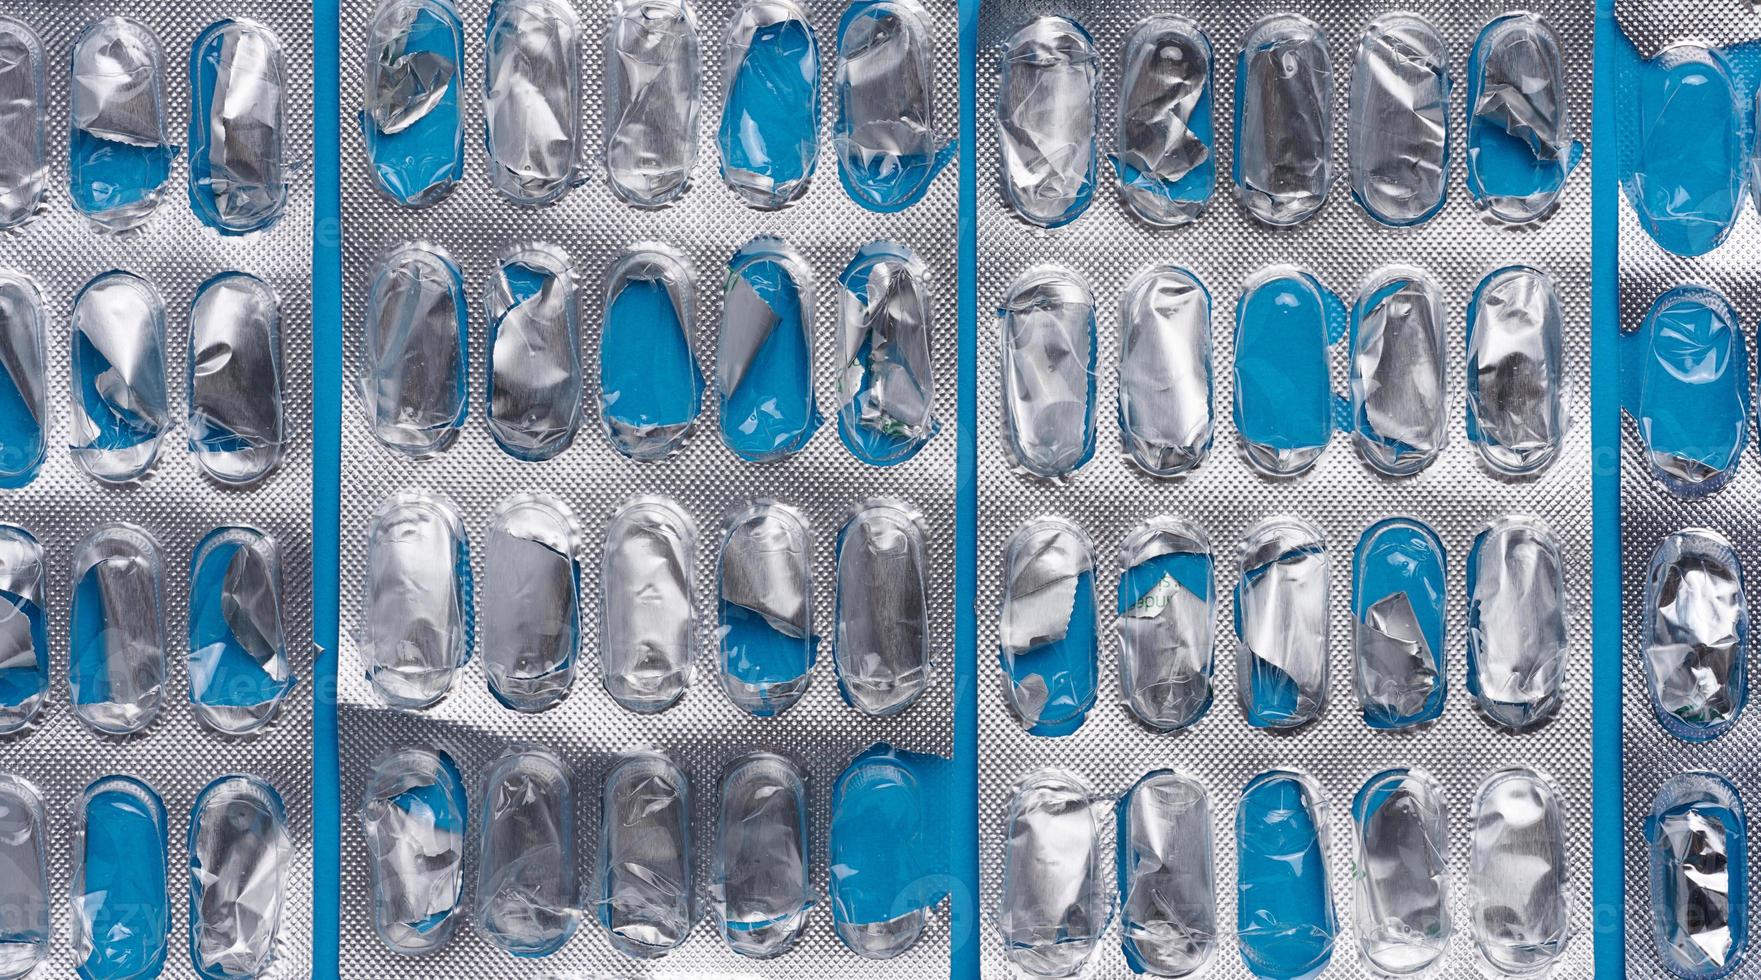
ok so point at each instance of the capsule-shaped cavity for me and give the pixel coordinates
(411, 116)
(650, 387)
(236, 421)
(880, 832)
(760, 880)
(888, 147)
(1397, 637)
(886, 390)
(24, 638)
(414, 365)
(1048, 629)
(1402, 906)
(769, 136)
(1698, 834)
(1285, 927)
(1047, 321)
(413, 818)
(1515, 387)
(418, 624)
(1516, 642)
(653, 96)
(1281, 622)
(1397, 362)
(24, 398)
(764, 353)
(1164, 156)
(119, 155)
(1283, 120)
(526, 891)
(645, 884)
(534, 376)
(1688, 177)
(1520, 148)
(1517, 874)
(116, 630)
(238, 662)
(1054, 904)
(1165, 371)
(647, 621)
(531, 601)
(24, 890)
(1167, 622)
(1398, 129)
(1284, 323)
(120, 408)
(1046, 117)
(1695, 634)
(238, 153)
(1167, 892)
(1693, 389)
(532, 99)
(121, 908)
(765, 578)
(240, 858)
(882, 651)
(24, 107)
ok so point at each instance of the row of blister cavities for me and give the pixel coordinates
(421, 625)
(119, 400)
(887, 145)
(1519, 136)
(1285, 409)
(417, 819)
(1056, 904)
(414, 376)
(1050, 624)
(120, 151)
(240, 857)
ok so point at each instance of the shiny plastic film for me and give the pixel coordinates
(1284, 557)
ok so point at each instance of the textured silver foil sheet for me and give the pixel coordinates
(1456, 496)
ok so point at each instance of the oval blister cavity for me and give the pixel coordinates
(1046, 116)
(24, 108)
(24, 383)
(1517, 874)
(418, 625)
(1398, 130)
(647, 622)
(534, 376)
(236, 421)
(878, 854)
(1165, 370)
(526, 891)
(888, 147)
(24, 636)
(240, 858)
(1054, 903)
(238, 165)
(119, 896)
(1397, 637)
(532, 99)
(1285, 925)
(1284, 323)
(645, 859)
(116, 630)
(531, 602)
(653, 95)
(881, 650)
(769, 136)
(764, 352)
(1048, 628)
(760, 880)
(650, 387)
(238, 662)
(1402, 897)
(886, 390)
(1167, 893)
(1698, 836)
(120, 408)
(119, 155)
(1687, 182)
(1693, 390)
(1397, 364)
(1048, 336)
(1283, 120)
(1162, 128)
(24, 893)
(411, 116)
(413, 817)
(1516, 642)
(1167, 622)
(765, 578)
(1281, 621)
(413, 368)
(1515, 371)
(1519, 144)
(1695, 634)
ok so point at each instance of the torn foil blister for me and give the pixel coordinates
(1284, 564)
(156, 454)
(668, 425)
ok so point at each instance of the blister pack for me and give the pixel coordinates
(155, 479)
(1284, 563)
(648, 498)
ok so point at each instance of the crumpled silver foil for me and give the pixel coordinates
(1166, 73)
(1398, 133)
(24, 91)
(532, 98)
(1284, 160)
(1402, 893)
(245, 186)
